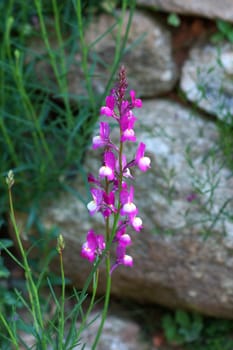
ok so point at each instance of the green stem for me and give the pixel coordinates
(8, 141)
(108, 277)
(87, 313)
(9, 330)
(63, 84)
(62, 305)
(31, 287)
(60, 76)
(84, 59)
(5, 48)
(106, 301)
(30, 111)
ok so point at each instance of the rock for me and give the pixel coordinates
(209, 8)
(207, 79)
(118, 334)
(151, 69)
(183, 257)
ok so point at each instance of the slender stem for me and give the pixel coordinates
(9, 330)
(30, 111)
(60, 77)
(31, 287)
(8, 140)
(62, 305)
(5, 49)
(106, 301)
(109, 239)
(87, 313)
(108, 276)
(84, 59)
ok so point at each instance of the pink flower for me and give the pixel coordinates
(125, 169)
(108, 204)
(136, 223)
(128, 207)
(108, 110)
(191, 197)
(142, 161)
(121, 257)
(127, 122)
(93, 246)
(136, 102)
(125, 240)
(107, 170)
(103, 138)
(92, 179)
(94, 205)
(128, 135)
(127, 125)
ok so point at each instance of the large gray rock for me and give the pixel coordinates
(151, 69)
(183, 257)
(148, 58)
(207, 79)
(208, 8)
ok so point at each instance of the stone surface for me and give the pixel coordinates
(208, 8)
(150, 67)
(118, 334)
(207, 79)
(183, 257)
(149, 62)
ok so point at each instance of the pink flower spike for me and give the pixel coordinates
(136, 102)
(107, 170)
(142, 161)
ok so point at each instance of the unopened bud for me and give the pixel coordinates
(10, 179)
(60, 244)
(10, 22)
(17, 54)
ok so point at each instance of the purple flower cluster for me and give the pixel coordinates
(111, 194)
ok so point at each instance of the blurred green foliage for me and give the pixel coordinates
(44, 131)
(193, 331)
